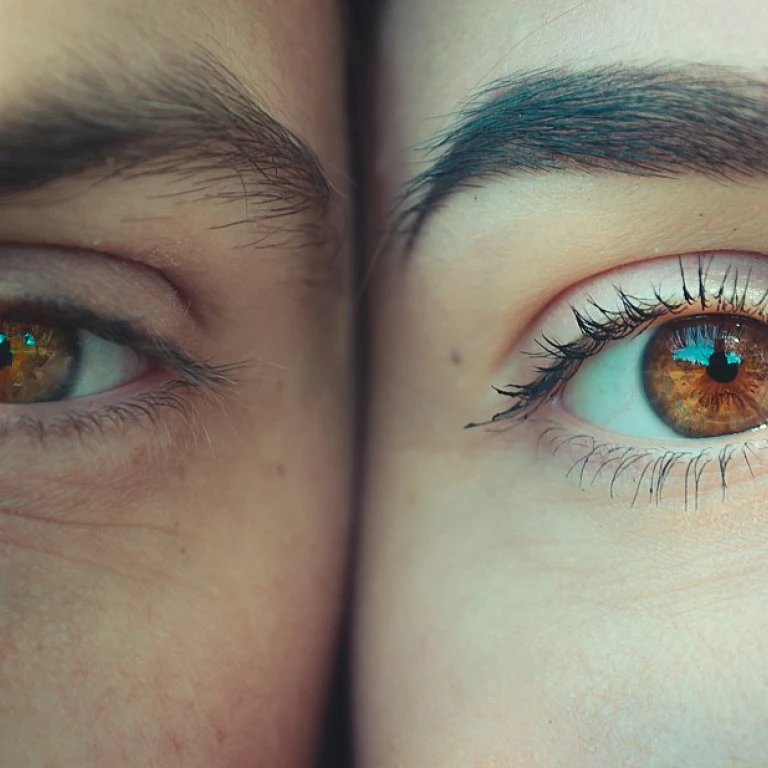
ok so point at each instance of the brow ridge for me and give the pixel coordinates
(654, 121)
(192, 119)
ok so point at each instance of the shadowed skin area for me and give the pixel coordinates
(174, 200)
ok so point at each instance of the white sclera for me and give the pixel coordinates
(104, 365)
(608, 392)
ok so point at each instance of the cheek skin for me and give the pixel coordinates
(182, 662)
(499, 631)
(171, 623)
(167, 697)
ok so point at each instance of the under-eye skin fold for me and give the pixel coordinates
(651, 380)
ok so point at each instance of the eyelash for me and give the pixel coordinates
(600, 326)
(658, 462)
(193, 376)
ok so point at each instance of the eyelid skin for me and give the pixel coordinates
(100, 294)
(107, 286)
(613, 307)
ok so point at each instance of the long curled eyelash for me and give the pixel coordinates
(599, 326)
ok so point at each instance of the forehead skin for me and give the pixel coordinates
(505, 619)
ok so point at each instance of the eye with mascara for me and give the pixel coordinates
(655, 377)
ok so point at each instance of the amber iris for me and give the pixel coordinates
(37, 362)
(708, 375)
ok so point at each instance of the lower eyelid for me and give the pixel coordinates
(89, 422)
(684, 473)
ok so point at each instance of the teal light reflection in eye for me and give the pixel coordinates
(701, 353)
(29, 340)
(697, 344)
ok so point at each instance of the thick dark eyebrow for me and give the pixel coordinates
(647, 121)
(192, 119)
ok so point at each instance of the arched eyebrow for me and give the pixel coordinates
(648, 121)
(191, 119)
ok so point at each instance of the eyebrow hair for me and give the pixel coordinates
(647, 121)
(192, 119)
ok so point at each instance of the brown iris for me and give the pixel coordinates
(37, 362)
(708, 375)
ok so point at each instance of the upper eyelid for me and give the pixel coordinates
(721, 276)
(119, 300)
(108, 285)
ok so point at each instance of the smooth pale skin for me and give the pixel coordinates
(165, 601)
(506, 618)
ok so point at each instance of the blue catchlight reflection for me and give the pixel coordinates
(701, 352)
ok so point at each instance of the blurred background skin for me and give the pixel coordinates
(504, 618)
(183, 611)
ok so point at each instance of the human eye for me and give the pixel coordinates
(77, 361)
(653, 377)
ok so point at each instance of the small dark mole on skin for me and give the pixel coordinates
(456, 357)
(279, 470)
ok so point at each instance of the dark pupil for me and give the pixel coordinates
(719, 369)
(6, 355)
